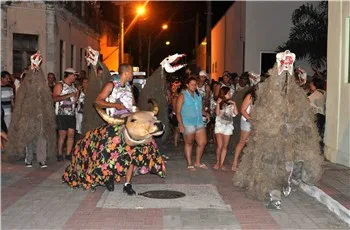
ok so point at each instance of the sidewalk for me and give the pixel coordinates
(333, 190)
(34, 198)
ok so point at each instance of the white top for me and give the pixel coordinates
(318, 101)
(248, 111)
(226, 114)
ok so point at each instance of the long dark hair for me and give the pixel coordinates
(223, 91)
(252, 92)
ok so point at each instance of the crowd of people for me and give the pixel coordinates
(203, 110)
(200, 110)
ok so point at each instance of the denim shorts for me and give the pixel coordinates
(245, 125)
(191, 129)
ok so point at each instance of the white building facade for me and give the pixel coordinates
(247, 36)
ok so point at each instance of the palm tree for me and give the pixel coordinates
(308, 36)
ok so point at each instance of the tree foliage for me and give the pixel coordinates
(308, 36)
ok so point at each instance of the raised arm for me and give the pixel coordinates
(105, 92)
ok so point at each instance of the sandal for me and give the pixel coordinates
(191, 168)
(202, 166)
(223, 168)
(234, 169)
(216, 166)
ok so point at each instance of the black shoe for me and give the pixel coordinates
(42, 165)
(29, 165)
(128, 189)
(110, 184)
(69, 157)
(59, 158)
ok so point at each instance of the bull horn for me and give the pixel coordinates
(108, 119)
(155, 106)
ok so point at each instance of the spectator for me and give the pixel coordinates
(80, 104)
(246, 121)
(317, 100)
(51, 80)
(65, 95)
(7, 96)
(225, 110)
(189, 115)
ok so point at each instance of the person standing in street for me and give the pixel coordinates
(65, 96)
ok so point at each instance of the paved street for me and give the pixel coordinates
(34, 198)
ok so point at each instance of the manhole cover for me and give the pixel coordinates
(163, 194)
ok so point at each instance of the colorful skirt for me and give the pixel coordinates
(103, 153)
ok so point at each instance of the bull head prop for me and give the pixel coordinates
(171, 64)
(139, 126)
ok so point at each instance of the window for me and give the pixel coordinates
(24, 45)
(72, 56)
(267, 60)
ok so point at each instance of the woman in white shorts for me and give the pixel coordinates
(225, 110)
(248, 101)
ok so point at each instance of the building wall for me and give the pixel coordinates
(268, 25)
(234, 42)
(338, 86)
(51, 24)
(110, 53)
(218, 49)
(72, 32)
(25, 18)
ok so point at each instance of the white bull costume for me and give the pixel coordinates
(104, 155)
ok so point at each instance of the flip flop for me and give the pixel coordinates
(191, 168)
(202, 166)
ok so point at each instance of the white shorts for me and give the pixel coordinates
(225, 129)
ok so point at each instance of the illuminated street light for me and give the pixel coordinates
(167, 43)
(164, 26)
(140, 10)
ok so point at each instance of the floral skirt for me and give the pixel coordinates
(103, 153)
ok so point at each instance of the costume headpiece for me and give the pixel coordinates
(35, 60)
(170, 64)
(91, 56)
(285, 61)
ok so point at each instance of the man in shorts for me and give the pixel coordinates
(65, 96)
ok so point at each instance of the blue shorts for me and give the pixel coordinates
(191, 129)
(245, 125)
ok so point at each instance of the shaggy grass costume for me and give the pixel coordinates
(33, 116)
(284, 131)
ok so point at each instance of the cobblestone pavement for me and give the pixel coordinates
(34, 198)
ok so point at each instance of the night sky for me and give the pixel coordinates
(180, 17)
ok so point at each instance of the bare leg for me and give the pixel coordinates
(129, 173)
(62, 134)
(176, 136)
(219, 139)
(70, 140)
(242, 141)
(226, 139)
(189, 140)
(201, 140)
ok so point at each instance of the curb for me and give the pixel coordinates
(333, 205)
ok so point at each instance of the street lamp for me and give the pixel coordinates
(140, 10)
(164, 26)
(167, 43)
